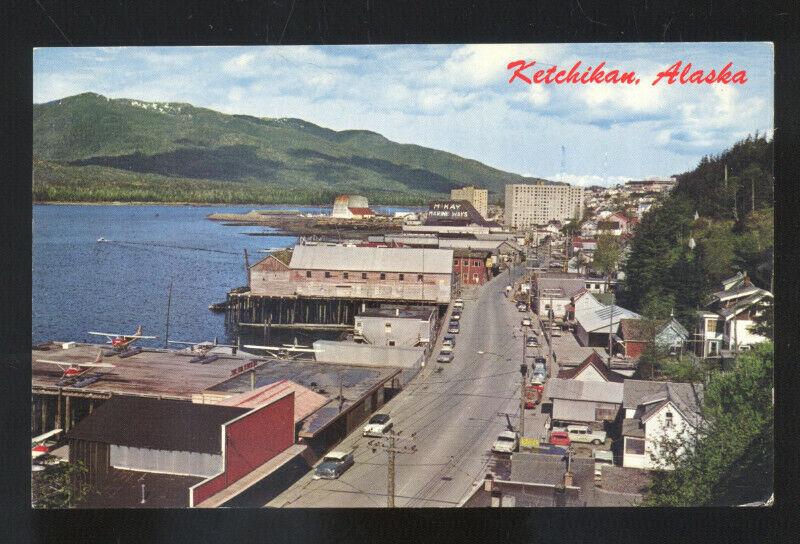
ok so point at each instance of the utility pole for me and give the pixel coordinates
(392, 449)
(610, 329)
(550, 333)
(523, 369)
(169, 303)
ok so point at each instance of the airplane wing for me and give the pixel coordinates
(184, 343)
(107, 334)
(67, 363)
(42, 437)
(293, 349)
(126, 336)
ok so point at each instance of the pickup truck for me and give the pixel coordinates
(582, 433)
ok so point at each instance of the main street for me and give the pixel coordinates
(452, 417)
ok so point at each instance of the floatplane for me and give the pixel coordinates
(73, 370)
(284, 349)
(121, 342)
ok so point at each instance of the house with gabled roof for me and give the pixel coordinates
(592, 369)
(656, 412)
(729, 316)
(636, 334)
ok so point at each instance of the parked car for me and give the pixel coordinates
(526, 321)
(458, 303)
(449, 340)
(447, 350)
(602, 457)
(455, 316)
(444, 357)
(560, 438)
(555, 332)
(522, 307)
(333, 465)
(453, 328)
(507, 442)
(531, 342)
(539, 360)
(582, 433)
(378, 425)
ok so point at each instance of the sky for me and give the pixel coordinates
(456, 98)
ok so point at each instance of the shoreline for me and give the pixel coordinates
(158, 203)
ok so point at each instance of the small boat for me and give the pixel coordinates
(218, 307)
(101, 239)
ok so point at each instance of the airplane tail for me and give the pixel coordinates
(138, 331)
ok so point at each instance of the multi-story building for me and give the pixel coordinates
(479, 198)
(537, 204)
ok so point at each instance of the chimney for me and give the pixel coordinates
(488, 483)
(567, 479)
(497, 499)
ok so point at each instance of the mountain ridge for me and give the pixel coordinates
(169, 141)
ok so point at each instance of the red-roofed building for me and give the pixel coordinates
(306, 401)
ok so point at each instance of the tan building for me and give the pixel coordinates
(479, 198)
(528, 204)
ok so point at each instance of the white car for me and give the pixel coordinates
(378, 425)
(602, 457)
(458, 303)
(507, 442)
(526, 322)
(582, 433)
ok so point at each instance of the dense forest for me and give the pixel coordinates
(92, 148)
(718, 220)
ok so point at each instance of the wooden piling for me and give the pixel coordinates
(44, 402)
(59, 422)
(68, 410)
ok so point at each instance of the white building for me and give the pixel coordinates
(479, 198)
(655, 413)
(728, 321)
(528, 205)
(351, 207)
(395, 326)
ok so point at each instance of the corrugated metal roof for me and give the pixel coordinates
(372, 259)
(558, 388)
(573, 410)
(597, 319)
(559, 287)
(306, 401)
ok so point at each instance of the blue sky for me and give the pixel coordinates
(455, 98)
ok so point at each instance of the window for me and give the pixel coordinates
(634, 446)
(477, 263)
(388, 328)
(419, 277)
(308, 273)
(669, 422)
(345, 275)
(714, 325)
(383, 276)
(402, 277)
(327, 274)
(363, 275)
(391, 342)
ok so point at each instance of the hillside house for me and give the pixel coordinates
(636, 334)
(727, 321)
(655, 412)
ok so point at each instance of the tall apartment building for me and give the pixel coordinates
(528, 205)
(479, 198)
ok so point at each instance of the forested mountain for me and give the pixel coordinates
(733, 231)
(90, 147)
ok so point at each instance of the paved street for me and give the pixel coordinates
(455, 415)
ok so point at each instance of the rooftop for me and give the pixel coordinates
(123, 489)
(356, 382)
(372, 259)
(156, 373)
(686, 397)
(558, 388)
(594, 360)
(306, 401)
(412, 312)
(171, 425)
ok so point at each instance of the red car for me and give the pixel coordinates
(559, 438)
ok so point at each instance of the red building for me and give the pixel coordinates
(152, 453)
(470, 266)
